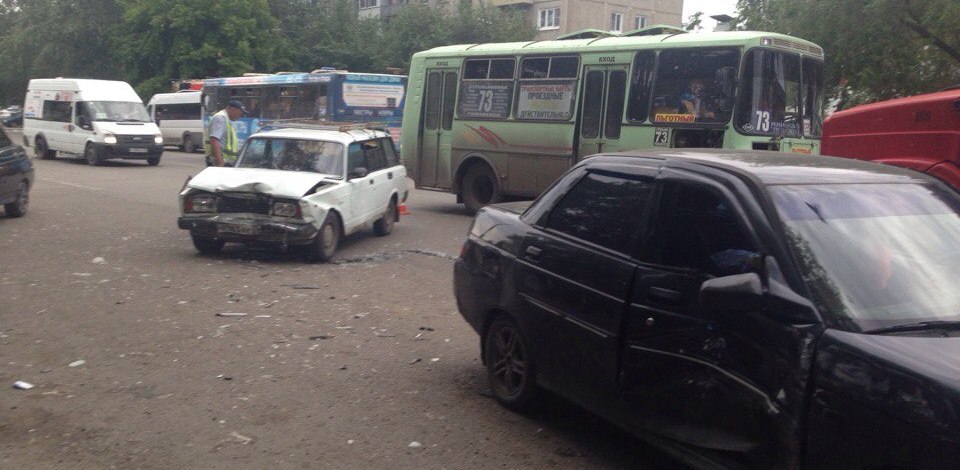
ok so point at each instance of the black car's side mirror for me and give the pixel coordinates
(84, 122)
(358, 172)
(737, 293)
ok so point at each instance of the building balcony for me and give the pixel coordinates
(510, 3)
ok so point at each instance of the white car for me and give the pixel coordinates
(298, 185)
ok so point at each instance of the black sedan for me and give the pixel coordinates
(740, 309)
(16, 177)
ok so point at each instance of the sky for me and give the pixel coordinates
(709, 8)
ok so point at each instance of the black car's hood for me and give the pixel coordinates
(913, 378)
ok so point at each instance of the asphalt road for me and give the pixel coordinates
(338, 365)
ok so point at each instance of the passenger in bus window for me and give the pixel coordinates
(321, 110)
(694, 101)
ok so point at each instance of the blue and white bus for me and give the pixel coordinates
(336, 96)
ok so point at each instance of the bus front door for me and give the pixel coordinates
(601, 112)
(440, 94)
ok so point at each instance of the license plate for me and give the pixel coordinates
(138, 150)
(240, 229)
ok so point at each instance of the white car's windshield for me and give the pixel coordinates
(316, 156)
(877, 254)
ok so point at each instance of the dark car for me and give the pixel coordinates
(11, 116)
(16, 177)
(741, 309)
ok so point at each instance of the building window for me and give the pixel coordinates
(640, 22)
(549, 19)
(616, 22)
(368, 3)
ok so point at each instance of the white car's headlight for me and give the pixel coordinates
(200, 203)
(286, 209)
(157, 138)
(109, 138)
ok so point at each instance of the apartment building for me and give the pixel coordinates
(553, 18)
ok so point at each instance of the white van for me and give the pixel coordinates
(97, 119)
(179, 118)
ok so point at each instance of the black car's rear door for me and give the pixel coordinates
(574, 275)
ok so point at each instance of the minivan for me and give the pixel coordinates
(179, 118)
(95, 119)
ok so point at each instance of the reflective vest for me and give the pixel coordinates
(228, 148)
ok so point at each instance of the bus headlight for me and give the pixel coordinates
(109, 138)
(286, 209)
(157, 139)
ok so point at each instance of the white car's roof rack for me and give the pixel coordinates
(322, 125)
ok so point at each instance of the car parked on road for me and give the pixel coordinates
(741, 309)
(16, 177)
(302, 184)
(11, 116)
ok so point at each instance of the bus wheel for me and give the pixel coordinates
(480, 187)
(189, 145)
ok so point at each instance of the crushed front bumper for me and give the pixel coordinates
(248, 228)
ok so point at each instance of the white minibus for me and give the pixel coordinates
(179, 118)
(96, 119)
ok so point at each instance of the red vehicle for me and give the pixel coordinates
(919, 132)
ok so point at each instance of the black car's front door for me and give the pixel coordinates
(731, 383)
(574, 278)
(9, 168)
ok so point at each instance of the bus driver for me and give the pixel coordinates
(692, 101)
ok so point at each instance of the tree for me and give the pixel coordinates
(875, 49)
(694, 22)
(162, 40)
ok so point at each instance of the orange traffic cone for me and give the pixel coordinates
(403, 209)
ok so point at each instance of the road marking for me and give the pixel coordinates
(67, 183)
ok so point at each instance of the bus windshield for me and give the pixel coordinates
(778, 97)
(687, 88)
(116, 111)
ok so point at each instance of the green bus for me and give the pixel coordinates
(486, 121)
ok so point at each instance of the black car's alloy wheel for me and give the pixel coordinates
(509, 366)
(19, 207)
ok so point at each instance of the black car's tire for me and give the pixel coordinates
(92, 155)
(189, 145)
(207, 246)
(324, 245)
(510, 368)
(153, 160)
(18, 207)
(384, 225)
(480, 187)
(43, 150)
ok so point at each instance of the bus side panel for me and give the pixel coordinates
(412, 112)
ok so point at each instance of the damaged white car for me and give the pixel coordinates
(306, 185)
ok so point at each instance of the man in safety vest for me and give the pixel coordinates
(220, 138)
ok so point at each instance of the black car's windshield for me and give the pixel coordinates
(316, 156)
(114, 111)
(878, 254)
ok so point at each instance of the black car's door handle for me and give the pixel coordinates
(668, 295)
(533, 252)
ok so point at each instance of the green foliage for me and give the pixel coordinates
(694, 22)
(151, 42)
(875, 49)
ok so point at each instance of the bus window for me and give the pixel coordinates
(641, 84)
(770, 94)
(547, 86)
(432, 111)
(250, 98)
(449, 99)
(486, 90)
(592, 95)
(812, 97)
(615, 91)
(686, 90)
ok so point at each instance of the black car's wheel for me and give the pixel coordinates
(510, 368)
(480, 187)
(207, 246)
(18, 207)
(92, 155)
(43, 150)
(153, 160)
(325, 244)
(384, 225)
